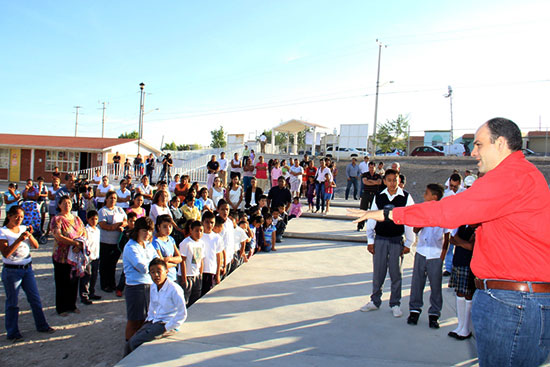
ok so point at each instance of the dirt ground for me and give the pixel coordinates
(96, 336)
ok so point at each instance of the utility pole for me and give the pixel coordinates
(141, 106)
(376, 99)
(450, 96)
(76, 122)
(103, 120)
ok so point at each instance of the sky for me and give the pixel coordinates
(248, 65)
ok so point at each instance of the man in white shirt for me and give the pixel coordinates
(222, 173)
(385, 242)
(363, 168)
(191, 268)
(263, 140)
(428, 261)
(167, 311)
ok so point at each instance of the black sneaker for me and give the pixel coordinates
(434, 324)
(86, 301)
(94, 297)
(413, 318)
(16, 338)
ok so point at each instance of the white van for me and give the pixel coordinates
(452, 149)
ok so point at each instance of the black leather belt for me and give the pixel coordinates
(11, 266)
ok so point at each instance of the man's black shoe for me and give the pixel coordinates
(434, 324)
(413, 318)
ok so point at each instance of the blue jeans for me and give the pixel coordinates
(449, 258)
(14, 280)
(320, 192)
(352, 182)
(246, 182)
(512, 328)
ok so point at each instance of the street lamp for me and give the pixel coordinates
(450, 96)
(141, 105)
(376, 99)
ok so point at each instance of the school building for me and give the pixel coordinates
(31, 156)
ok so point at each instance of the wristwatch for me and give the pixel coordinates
(387, 209)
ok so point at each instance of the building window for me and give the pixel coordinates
(66, 161)
(4, 158)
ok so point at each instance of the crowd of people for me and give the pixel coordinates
(179, 237)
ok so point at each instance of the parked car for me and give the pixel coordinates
(529, 153)
(393, 152)
(344, 153)
(426, 151)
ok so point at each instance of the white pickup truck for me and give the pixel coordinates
(344, 153)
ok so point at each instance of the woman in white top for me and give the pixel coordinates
(296, 173)
(234, 195)
(15, 243)
(160, 205)
(236, 166)
(147, 191)
(97, 177)
(102, 191)
(123, 195)
(216, 192)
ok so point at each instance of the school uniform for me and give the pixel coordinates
(228, 235)
(88, 281)
(428, 263)
(167, 312)
(387, 238)
(213, 245)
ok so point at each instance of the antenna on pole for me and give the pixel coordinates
(76, 122)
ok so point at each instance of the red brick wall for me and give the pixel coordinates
(25, 164)
(3, 173)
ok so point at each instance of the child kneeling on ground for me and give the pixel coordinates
(167, 310)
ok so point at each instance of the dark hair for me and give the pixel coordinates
(162, 182)
(402, 178)
(195, 224)
(372, 163)
(158, 261)
(203, 190)
(63, 198)
(221, 203)
(142, 223)
(207, 215)
(264, 196)
(390, 172)
(164, 218)
(109, 194)
(40, 178)
(219, 221)
(157, 196)
(455, 177)
(91, 214)
(123, 180)
(189, 198)
(13, 210)
(436, 189)
(256, 219)
(131, 215)
(500, 126)
(242, 222)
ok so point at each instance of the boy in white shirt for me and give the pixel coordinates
(191, 268)
(428, 262)
(241, 239)
(88, 281)
(213, 252)
(167, 311)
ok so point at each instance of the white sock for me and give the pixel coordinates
(460, 309)
(465, 331)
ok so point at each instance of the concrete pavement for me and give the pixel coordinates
(299, 306)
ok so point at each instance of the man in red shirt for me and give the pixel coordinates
(511, 308)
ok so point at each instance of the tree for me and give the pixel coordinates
(132, 135)
(172, 146)
(393, 134)
(218, 138)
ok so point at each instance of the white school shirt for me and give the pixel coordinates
(172, 186)
(371, 223)
(193, 251)
(228, 235)
(167, 305)
(430, 242)
(124, 195)
(93, 234)
(208, 203)
(104, 190)
(213, 245)
(240, 237)
(223, 164)
(21, 256)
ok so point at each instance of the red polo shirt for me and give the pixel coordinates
(512, 203)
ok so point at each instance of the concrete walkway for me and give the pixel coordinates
(299, 306)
